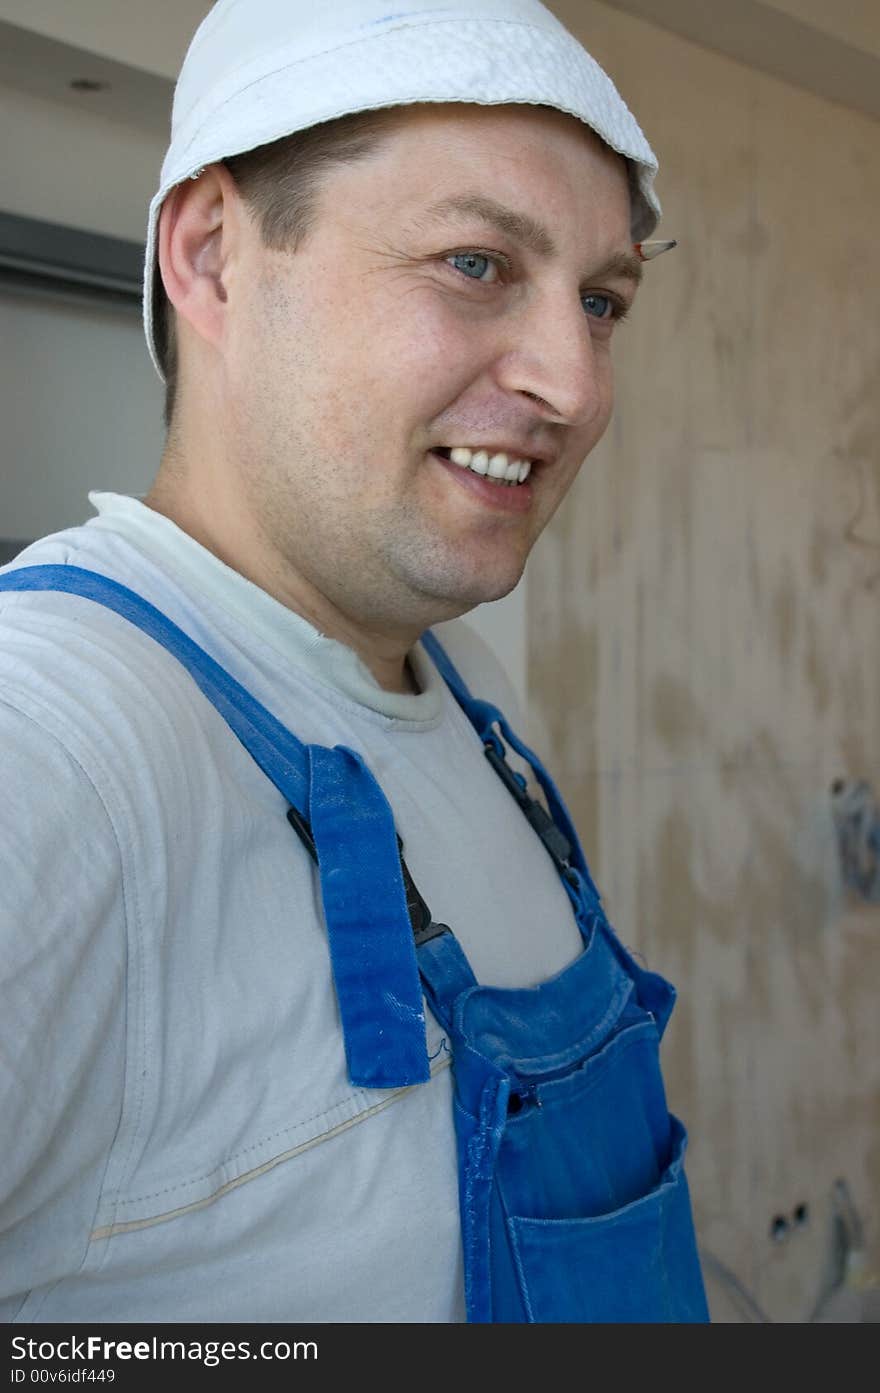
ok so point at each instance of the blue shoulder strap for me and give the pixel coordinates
(485, 717)
(654, 992)
(370, 937)
(278, 752)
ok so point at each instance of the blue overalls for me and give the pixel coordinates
(573, 1197)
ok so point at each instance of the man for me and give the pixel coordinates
(384, 268)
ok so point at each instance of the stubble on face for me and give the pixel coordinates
(363, 351)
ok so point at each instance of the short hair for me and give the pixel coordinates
(279, 183)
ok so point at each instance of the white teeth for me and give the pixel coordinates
(480, 462)
(499, 467)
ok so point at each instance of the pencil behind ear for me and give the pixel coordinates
(648, 250)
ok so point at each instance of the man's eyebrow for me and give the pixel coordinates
(519, 226)
(625, 264)
(528, 231)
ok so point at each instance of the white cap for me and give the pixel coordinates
(257, 70)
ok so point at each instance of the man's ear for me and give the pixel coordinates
(198, 233)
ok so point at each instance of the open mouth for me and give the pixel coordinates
(498, 468)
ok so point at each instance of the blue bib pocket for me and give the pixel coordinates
(634, 1264)
(588, 1216)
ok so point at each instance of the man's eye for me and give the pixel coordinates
(474, 265)
(599, 306)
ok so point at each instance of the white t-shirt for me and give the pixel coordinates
(180, 1139)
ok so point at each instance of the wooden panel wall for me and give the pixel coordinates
(704, 649)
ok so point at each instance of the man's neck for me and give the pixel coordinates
(385, 655)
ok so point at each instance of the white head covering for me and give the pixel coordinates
(257, 70)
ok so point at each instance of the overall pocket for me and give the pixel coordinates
(589, 1139)
(635, 1264)
(591, 1200)
(575, 1204)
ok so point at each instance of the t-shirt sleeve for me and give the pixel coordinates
(62, 1004)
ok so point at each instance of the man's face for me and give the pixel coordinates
(454, 300)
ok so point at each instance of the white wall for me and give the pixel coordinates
(154, 36)
(81, 408)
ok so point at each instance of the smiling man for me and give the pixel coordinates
(246, 1073)
(377, 427)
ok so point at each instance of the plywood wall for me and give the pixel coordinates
(704, 644)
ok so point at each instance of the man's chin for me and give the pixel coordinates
(458, 599)
(438, 583)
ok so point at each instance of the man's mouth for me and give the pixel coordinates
(499, 468)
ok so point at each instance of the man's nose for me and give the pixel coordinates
(554, 359)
